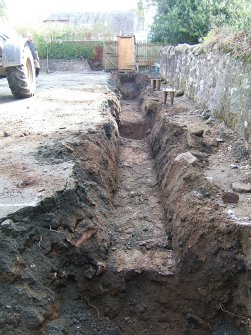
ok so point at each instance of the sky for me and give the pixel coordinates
(29, 11)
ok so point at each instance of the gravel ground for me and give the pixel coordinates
(65, 103)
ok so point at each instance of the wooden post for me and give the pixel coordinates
(165, 93)
(158, 82)
(171, 97)
(155, 84)
(164, 97)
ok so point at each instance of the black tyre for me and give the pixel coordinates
(22, 78)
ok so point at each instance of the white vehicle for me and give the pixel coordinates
(17, 65)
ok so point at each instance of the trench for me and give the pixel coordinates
(140, 263)
(141, 291)
(162, 261)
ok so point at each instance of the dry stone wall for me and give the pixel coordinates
(213, 78)
(64, 65)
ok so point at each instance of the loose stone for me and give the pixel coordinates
(186, 156)
(241, 187)
(230, 197)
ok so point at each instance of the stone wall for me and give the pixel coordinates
(64, 65)
(213, 78)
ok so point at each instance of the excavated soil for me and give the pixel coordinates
(144, 238)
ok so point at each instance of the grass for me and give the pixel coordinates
(238, 43)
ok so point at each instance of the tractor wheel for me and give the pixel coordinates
(22, 78)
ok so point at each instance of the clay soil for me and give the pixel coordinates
(126, 238)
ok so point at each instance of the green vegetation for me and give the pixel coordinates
(189, 21)
(232, 33)
(70, 49)
(140, 9)
(2, 8)
(238, 43)
(64, 41)
(180, 21)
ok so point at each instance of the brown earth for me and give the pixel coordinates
(134, 239)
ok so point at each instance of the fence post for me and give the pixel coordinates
(47, 59)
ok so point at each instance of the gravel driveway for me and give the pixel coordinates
(65, 103)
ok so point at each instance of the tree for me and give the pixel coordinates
(2, 8)
(187, 21)
(234, 13)
(172, 22)
(180, 21)
(140, 9)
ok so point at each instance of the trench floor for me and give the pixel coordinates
(138, 290)
(139, 239)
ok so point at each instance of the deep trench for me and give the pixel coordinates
(158, 265)
(148, 296)
(140, 266)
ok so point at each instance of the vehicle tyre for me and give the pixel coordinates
(22, 78)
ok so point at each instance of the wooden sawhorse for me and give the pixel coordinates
(165, 93)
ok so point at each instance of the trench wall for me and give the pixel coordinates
(41, 251)
(206, 244)
(213, 78)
